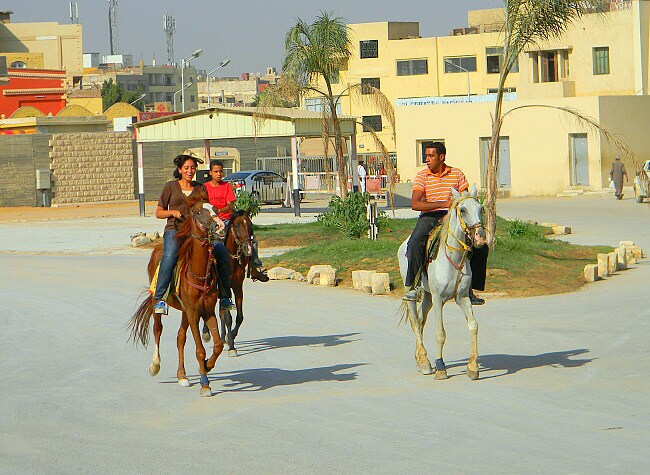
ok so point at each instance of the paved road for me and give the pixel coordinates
(326, 381)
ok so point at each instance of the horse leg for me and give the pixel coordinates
(180, 344)
(417, 324)
(239, 302)
(441, 336)
(472, 325)
(205, 333)
(200, 355)
(217, 347)
(154, 367)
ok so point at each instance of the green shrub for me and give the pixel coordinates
(349, 215)
(245, 200)
(518, 229)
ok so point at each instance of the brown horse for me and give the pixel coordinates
(239, 242)
(196, 296)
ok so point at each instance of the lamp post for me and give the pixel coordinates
(223, 63)
(188, 84)
(462, 69)
(142, 96)
(196, 54)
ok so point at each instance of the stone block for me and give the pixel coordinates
(561, 230)
(636, 251)
(362, 279)
(380, 283)
(621, 258)
(140, 240)
(324, 275)
(154, 235)
(602, 266)
(612, 262)
(299, 277)
(591, 272)
(626, 243)
(281, 273)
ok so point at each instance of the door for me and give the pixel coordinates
(579, 159)
(503, 171)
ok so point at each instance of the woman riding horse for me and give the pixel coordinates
(172, 206)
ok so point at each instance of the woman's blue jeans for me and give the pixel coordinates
(222, 256)
(167, 263)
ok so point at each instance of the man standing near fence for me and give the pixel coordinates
(362, 177)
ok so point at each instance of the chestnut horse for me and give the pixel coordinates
(196, 296)
(239, 242)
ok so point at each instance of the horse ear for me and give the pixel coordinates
(455, 193)
(248, 210)
(474, 191)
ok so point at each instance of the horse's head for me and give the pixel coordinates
(469, 214)
(241, 229)
(205, 219)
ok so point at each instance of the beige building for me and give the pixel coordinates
(46, 45)
(443, 89)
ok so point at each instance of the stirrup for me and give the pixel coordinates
(161, 308)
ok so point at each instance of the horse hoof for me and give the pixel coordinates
(233, 353)
(206, 337)
(205, 392)
(472, 374)
(425, 368)
(441, 374)
(154, 369)
(184, 382)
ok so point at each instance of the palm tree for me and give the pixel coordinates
(527, 22)
(314, 53)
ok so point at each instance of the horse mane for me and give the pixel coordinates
(237, 213)
(445, 222)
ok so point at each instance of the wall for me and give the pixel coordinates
(20, 157)
(92, 167)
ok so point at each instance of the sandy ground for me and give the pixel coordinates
(325, 381)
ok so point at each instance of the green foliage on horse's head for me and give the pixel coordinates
(246, 202)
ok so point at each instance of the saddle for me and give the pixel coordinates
(431, 252)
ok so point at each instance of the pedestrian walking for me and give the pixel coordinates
(616, 174)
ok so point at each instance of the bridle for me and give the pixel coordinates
(209, 232)
(469, 233)
(244, 247)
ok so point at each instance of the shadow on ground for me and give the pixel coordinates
(263, 344)
(511, 364)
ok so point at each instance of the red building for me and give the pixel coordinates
(43, 89)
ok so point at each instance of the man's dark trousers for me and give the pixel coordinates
(415, 251)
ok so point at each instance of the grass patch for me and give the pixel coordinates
(524, 261)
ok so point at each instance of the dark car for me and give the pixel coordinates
(268, 187)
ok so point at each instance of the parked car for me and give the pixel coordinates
(268, 187)
(641, 181)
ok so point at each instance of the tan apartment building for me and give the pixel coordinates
(443, 89)
(46, 45)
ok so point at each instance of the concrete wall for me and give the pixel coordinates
(92, 167)
(20, 157)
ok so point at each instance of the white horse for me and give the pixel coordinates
(447, 277)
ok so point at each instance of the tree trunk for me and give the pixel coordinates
(338, 147)
(492, 171)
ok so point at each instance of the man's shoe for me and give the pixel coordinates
(411, 295)
(226, 304)
(476, 300)
(161, 308)
(259, 273)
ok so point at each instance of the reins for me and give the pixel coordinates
(205, 242)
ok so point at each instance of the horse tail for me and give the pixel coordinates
(403, 312)
(139, 322)
(408, 312)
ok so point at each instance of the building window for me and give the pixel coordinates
(168, 80)
(460, 64)
(369, 49)
(420, 147)
(494, 60)
(494, 90)
(601, 60)
(366, 83)
(168, 97)
(372, 123)
(412, 67)
(192, 98)
(315, 104)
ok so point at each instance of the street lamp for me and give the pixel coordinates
(221, 65)
(139, 98)
(187, 84)
(196, 54)
(462, 69)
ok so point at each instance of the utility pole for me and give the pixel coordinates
(112, 26)
(169, 27)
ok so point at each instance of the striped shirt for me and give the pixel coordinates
(437, 187)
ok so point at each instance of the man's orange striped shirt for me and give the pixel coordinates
(437, 187)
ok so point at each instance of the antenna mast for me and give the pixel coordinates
(112, 25)
(74, 12)
(169, 26)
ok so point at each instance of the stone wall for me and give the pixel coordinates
(20, 157)
(92, 167)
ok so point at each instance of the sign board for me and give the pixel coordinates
(427, 101)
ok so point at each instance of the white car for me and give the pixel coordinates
(641, 181)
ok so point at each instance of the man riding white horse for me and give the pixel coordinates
(432, 195)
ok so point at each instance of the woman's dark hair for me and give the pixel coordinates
(179, 160)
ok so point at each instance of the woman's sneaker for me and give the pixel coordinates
(161, 308)
(226, 304)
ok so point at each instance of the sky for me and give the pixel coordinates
(248, 32)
